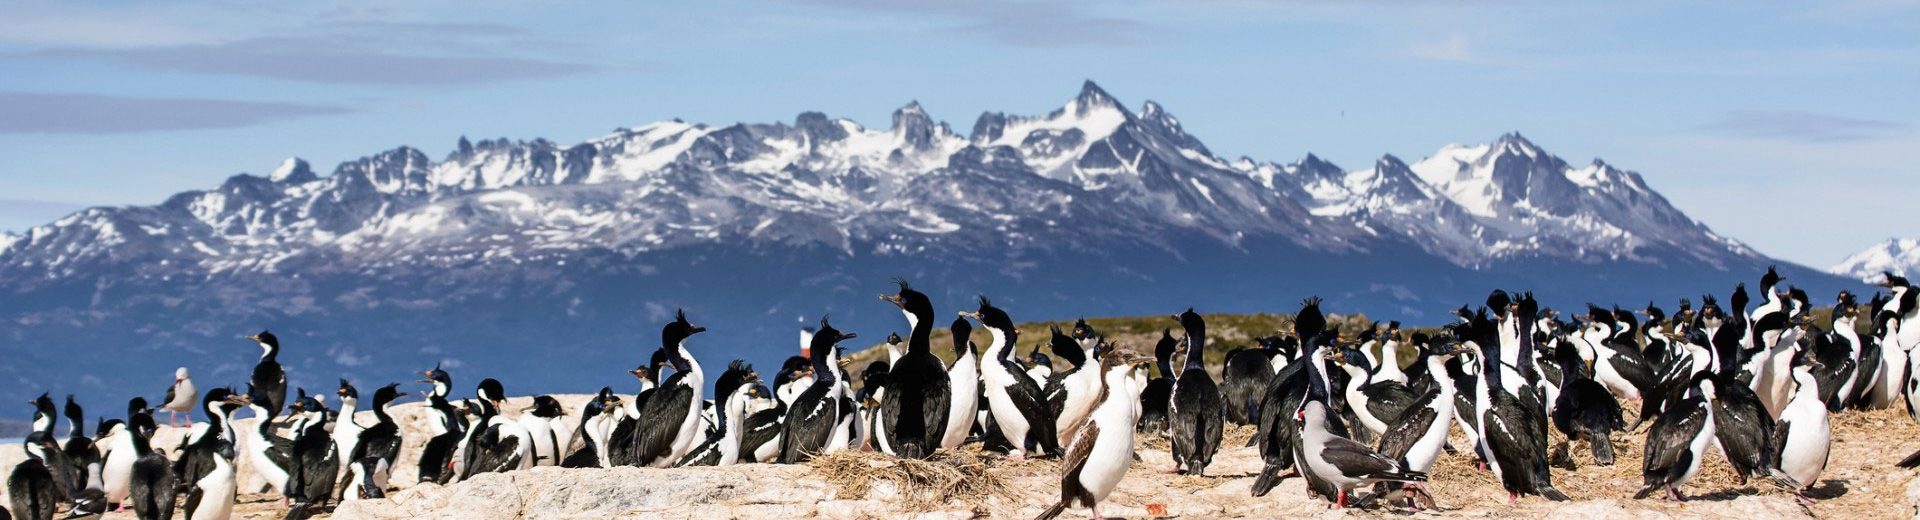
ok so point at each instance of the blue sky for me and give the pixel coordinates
(1789, 125)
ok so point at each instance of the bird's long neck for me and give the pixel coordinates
(1196, 348)
(269, 352)
(1437, 369)
(380, 413)
(921, 339)
(141, 445)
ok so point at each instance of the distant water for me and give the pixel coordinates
(10, 441)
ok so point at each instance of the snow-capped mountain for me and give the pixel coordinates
(504, 245)
(1900, 256)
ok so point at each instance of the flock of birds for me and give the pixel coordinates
(1348, 414)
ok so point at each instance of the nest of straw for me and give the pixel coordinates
(950, 476)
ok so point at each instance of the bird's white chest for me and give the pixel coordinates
(1809, 440)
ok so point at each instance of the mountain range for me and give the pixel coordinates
(1900, 256)
(553, 266)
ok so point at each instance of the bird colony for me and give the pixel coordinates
(1361, 416)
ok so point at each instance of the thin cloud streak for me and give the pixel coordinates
(1804, 127)
(1016, 22)
(317, 61)
(61, 113)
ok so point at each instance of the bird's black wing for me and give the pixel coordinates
(1388, 400)
(666, 410)
(1410, 427)
(194, 497)
(1671, 434)
(1026, 397)
(761, 428)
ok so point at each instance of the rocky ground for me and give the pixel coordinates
(1861, 482)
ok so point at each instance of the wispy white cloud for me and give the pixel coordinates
(1454, 47)
(62, 113)
(319, 60)
(1024, 23)
(334, 46)
(1803, 126)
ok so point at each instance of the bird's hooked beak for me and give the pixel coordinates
(426, 377)
(896, 300)
(848, 335)
(972, 314)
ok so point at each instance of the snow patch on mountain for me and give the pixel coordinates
(1900, 256)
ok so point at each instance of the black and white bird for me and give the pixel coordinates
(1071, 392)
(1617, 365)
(1839, 353)
(268, 375)
(596, 415)
(82, 457)
(1102, 449)
(150, 484)
(1197, 411)
(1158, 393)
(1013, 398)
(672, 424)
(625, 429)
(495, 444)
(1335, 465)
(346, 424)
(733, 388)
(180, 396)
(1585, 410)
(200, 447)
(123, 452)
(1420, 435)
(1378, 403)
(1511, 418)
(914, 411)
(314, 463)
(545, 423)
(963, 378)
(815, 417)
(1743, 428)
(446, 427)
(32, 489)
(1803, 438)
(379, 442)
(1679, 441)
(1278, 435)
(212, 495)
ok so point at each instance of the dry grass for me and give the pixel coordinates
(950, 476)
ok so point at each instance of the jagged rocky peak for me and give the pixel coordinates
(637, 188)
(1092, 98)
(914, 127)
(293, 170)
